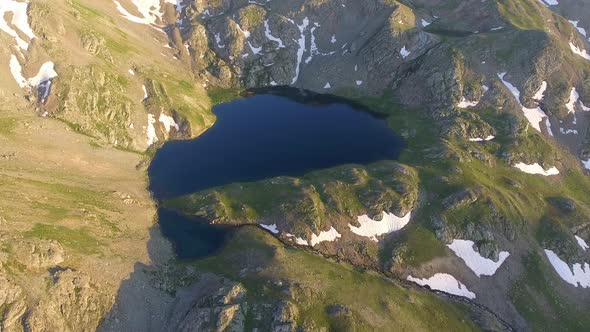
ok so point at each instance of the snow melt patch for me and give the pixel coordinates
(168, 122)
(586, 164)
(582, 243)
(388, 224)
(17, 72)
(571, 104)
(46, 73)
(540, 94)
(533, 115)
(404, 52)
(446, 283)
(151, 130)
(548, 3)
(270, 37)
(255, 50)
(548, 125)
(464, 103)
(19, 20)
(580, 52)
(271, 228)
(146, 19)
(218, 40)
(536, 169)
(330, 235)
(581, 30)
(41, 81)
(145, 93)
(298, 240)
(478, 264)
(150, 10)
(479, 139)
(578, 276)
(301, 48)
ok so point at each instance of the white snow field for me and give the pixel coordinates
(478, 264)
(373, 228)
(579, 276)
(330, 235)
(536, 169)
(446, 283)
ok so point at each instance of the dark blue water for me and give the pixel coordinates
(260, 137)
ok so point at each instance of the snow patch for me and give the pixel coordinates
(582, 243)
(151, 130)
(446, 283)
(330, 235)
(578, 276)
(270, 37)
(147, 8)
(271, 228)
(145, 93)
(168, 122)
(19, 20)
(533, 115)
(298, 240)
(46, 73)
(17, 72)
(548, 125)
(580, 52)
(327, 86)
(218, 40)
(388, 224)
(479, 139)
(586, 164)
(464, 103)
(404, 52)
(571, 104)
(478, 264)
(244, 32)
(41, 81)
(581, 30)
(536, 169)
(255, 50)
(540, 94)
(301, 48)
(424, 23)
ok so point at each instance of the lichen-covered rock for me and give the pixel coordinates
(73, 303)
(12, 305)
(36, 254)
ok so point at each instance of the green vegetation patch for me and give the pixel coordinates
(414, 246)
(523, 14)
(223, 95)
(76, 239)
(7, 125)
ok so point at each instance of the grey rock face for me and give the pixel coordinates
(35, 254)
(73, 303)
(12, 305)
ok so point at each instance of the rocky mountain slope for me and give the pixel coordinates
(491, 96)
